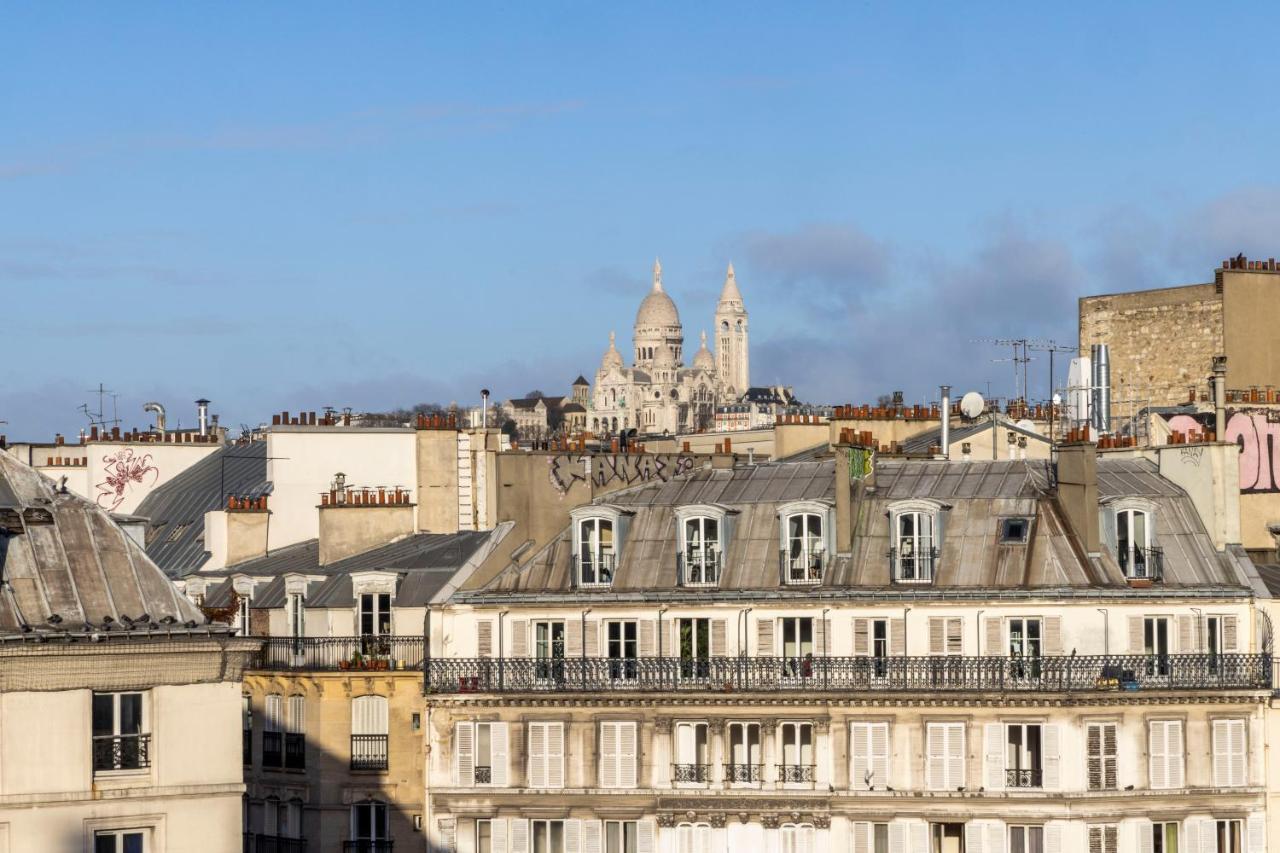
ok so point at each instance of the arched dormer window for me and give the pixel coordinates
(915, 539)
(597, 537)
(1129, 525)
(703, 535)
(806, 542)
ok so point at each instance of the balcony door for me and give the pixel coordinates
(369, 826)
(1023, 756)
(695, 648)
(744, 753)
(1155, 644)
(1025, 647)
(548, 650)
(693, 755)
(797, 647)
(375, 623)
(796, 741)
(620, 646)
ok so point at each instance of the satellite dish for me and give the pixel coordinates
(972, 405)
(1027, 426)
(1057, 399)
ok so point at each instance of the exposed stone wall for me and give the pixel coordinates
(1162, 342)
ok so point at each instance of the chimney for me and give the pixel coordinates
(158, 410)
(1220, 396)
(1100, 391)
(946, 421)
(202, 415)
(1077, 468)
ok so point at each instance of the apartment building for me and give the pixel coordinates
(937, 657)
(118, 704)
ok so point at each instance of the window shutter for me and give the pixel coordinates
(897, 637)
(819, 637)
(1101, 750)
(1053, 838)
(464, 754)
(573, 639)
(498, 834)
(591, 638)
(646, 638)
(1142, 827)
(296, 722)
(764, 638)
(862, 637)
(935, 757)
(995, 642)
(274, 713)
(1256, 832)
(1186, 634)
(718, 631)
(863, 837)
(519, 638)
(869, 750)
(975, 837)
(537, 760)
(1229, 634)
(573, 836)
(880, 753)
(1053, 636)
(498, 752)
(919, 836)
(937, 635)
(1229, 769)
(592, 836)
(1158, 750)
(955, 636)
(1137, 645)
(555, 755)
(520, 834)
(1052, 758)
(646, 836)
(609, 755)
(369, 715)
(898, 837)
(627, 755)
(955, 756)
(993, 758)
(1174, 754)
(997, 835)
(448, 831)
(484, 638)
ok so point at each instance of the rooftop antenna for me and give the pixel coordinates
(1020, 357)
(1051, 347)
(98, 418)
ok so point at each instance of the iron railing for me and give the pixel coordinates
(690, 772)
(386, 845)
(295, 751)
(484, 774)
(255, 842)
(801, 570)
(743, 773)
(924, 674)
(357, 654)
(1024, 778)
(698, 569)
(594, 570)
(368, 752)
(121, 752)
(1148, 563)
(273, 749)
(796, 772)
(916, 567)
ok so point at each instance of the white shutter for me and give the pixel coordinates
(447, 828)
(1175, 754)
(898, 837)
(861, 637)
(996, 836)
(1256, 832)
(466, 836)
(718, 631)
(592, 836)
(860, 756)
(519, 835)
(609, 755)
(498, 833)
(1052, 757)
(937, 636)
(1229, 634)
(764, 638)
(369, 715)
(1142, 827)
(1053, 837)
(274, 713)
(1158, 753)
(935, 757)
(646, 836)
(993, 758)
(880, 754)
(975, 837)
(520, 639)
(955, 756)
(919, 836)
(863, 837)
(537, 747)
(995, 639)
(296, 721)
(1053, 636)
(464, 754)
(573, 836)
(555, 755)
(498, 752)
(484, 638)
(627, 755)
(1229, 769)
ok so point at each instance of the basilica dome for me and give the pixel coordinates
(657, 310)
(704, 360)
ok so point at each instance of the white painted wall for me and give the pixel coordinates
(139, 467)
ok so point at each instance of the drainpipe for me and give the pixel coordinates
(502, 652)
(1106, 631)
(1200, 632)
(977, 630)
(1220, 396)
(946, 422)
(583, 636)
(742, 640)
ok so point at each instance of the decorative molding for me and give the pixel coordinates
(769, 820)
(662, 725)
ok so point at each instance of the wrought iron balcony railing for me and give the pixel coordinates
(484, 774)
(691, 773)
(698, 569)
(357, 654)
(1024, 778)
(367, 846)
(121, 752)
(273, 749)
(368, 752)
(803, 569)
(743, 773)
(811, 674)
(913, 567)
(796, 772)
(255, 842)
(594, 570)
(295, 751)
(1142, 563)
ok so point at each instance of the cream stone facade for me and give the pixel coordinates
(659, 393)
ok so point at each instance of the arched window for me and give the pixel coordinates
(797, 837)
(805, 548)
(914, 546)
(700, 555)
(369, 733)
(693, 838)
(596, 551)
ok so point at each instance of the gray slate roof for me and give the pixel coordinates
(175, 537)
(66, 564)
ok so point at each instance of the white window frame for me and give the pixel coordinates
(376, 613)
(791, 738)
(1128, 546)
(945, 757)
(743, 744)
(706, 554)
(1027, 831)
(552, 738)
(692, 838)
(808, 566)
(1159, 842)
(918, 542)
(623, 828)
(619, 753)
(602, 560)
(797, 838)
(547, 827)
(119, 836)
(695, 736)
(144, 729)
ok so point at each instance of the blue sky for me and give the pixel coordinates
(287, 206)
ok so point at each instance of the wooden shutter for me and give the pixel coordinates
(880, 753)
(1256, 833)
(764, 638)
(519, 834)
(555, 755)
(1053, 837)
(937, 635)
(466, 840)
(573, 836)
(1137, 643)
(646, 638)
(995, 640)
(1051, 756)
(897, 637)
(296, 719)
(573, 639)
(447, 829)
(1166, 754)
(1141, 840)
(955, 636)
(591, 638)
(498, 834)
(994, 756)
(918, 835)
(498, 754)
(898, 837)
(520, 638)
(869, 752)
(975, 837)
(646, 836)
(609, 755)
(273, 717)
(1103, 838)
(945, 756)
(719, 629)
(484, 638)
(1186, 634)
(537, 746)
(628, 756)
(862, 637)
(592, 836)
(863, 837)
(369, 715)
(1229, 634)
(819, 637)
(464, 754)
(1053, 636)
(1100, 752)
(1229, 768)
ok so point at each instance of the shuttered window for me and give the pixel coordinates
(1229, 767)
(870, 837)
(1165, 748)
(869, 754)
(693, 838)
(480, 753)
(944, 764)
(797, 838)
(946, 636)
(1100, 751)
(546, 755)
(1103, 838)
(618, 755)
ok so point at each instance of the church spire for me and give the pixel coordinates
(657, 276)
(730, 293)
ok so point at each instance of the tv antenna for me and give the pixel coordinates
(1051, 347)
(98, 418)
(1020, 358)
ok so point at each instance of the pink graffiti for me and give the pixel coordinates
(124, 468)
(1258, 434)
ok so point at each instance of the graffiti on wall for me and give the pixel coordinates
(123, 470)
(1257, 431)
(568, 469)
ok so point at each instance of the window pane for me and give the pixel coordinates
(104, 713)
(104, 844)
(130, 713)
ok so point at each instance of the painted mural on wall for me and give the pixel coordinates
(1257, 431)
(124, 470)
(568, 469)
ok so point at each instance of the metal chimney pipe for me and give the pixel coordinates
(484, 408)
(1100, 367)
(1220, 396)
(202, 413)
(158, 410)
(946, 421)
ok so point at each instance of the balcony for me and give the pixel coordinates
(368, 752)
(258, 843)
(843, 674)
(743, 774)
(691, 773)
(121, 752)
(1144, 564)
(1024, 778)
(364, 845)
(698, 570)
(912, 567)
(796, 773)
(484, 774)
(595, 571)
(802, 569)
(375, 653)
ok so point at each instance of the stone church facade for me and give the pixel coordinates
(659, 393)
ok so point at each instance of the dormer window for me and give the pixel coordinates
(805, 543)
(914, 539)
(704, 534)
(1136, 553)
(596, 551)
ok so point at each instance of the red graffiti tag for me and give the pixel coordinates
(124, 468)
